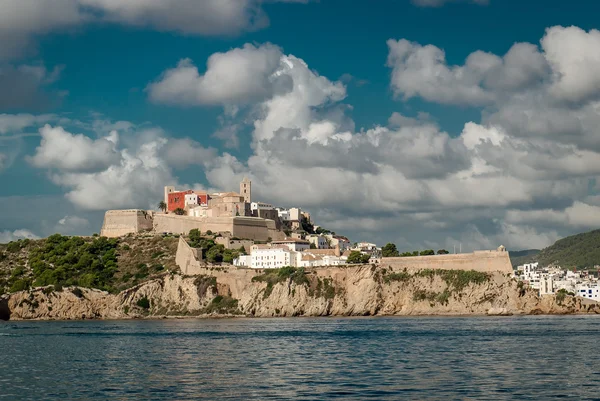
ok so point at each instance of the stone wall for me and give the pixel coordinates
(189, 259)
(123, 222)
(484, 261)
(236, 244)
(241, 227)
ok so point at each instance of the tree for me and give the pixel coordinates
(442, 252)
(427, 252)
(214, 255)
(162, 206)
(389, 250)
(357, 257)
(312, 246)
(307, 225)
(179, 211)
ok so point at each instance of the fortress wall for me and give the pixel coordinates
(484, 261)
(171, 223)
(123, 222)
(241, 227)
(188, 259)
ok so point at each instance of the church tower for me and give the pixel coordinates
(246, 189)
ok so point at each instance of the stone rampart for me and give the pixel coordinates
(123, 222)
(189, 259)
(484, 261)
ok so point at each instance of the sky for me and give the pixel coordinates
(427, 123)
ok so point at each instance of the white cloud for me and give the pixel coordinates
(8, 236)
(22, 21)
(15, 123)
(62, 150)
(72, 225)
(237, 76)
(575, 59)
(484, 78)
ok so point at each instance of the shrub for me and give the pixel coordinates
(13, 247)
(19, 285)
(221, 304)
(77, 292)
(143, 303)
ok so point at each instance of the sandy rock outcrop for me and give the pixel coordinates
(348, 291)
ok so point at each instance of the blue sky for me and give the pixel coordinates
(478, 153)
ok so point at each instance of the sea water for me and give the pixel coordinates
(462, 358)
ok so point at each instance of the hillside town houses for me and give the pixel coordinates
(549, 280)
(298, 249)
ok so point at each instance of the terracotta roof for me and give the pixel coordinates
(310, 256)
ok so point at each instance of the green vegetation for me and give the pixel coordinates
(162, 206)
(274, 276)
(520, 257)
(223, 305)
(324, 288)
(96, 262)
(426, 252)
(581, 251)
(211, 251)
(143, 303)
(356, 257)
(179, 211)
(561, 295)
(389, 251)
(456, 281)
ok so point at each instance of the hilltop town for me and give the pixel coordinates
(270, 237)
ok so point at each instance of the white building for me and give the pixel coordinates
(293, 244)
(260, 206)
(270, 258)
(266, 257)
(319, 241)
(343, 242)
(588, 290)
(284, 214)
(191, 200)
(295, 214)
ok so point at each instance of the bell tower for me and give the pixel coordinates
(246, 189)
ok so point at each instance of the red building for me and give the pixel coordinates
(177, 200)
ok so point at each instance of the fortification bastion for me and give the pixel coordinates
(122, 222)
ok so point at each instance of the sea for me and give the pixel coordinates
(399, 358)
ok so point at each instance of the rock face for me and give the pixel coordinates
(350, 291)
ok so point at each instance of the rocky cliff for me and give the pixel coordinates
(350, 291)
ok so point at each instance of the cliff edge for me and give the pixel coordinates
(350, 291)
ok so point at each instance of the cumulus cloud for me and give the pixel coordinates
(22, 21)
(8, 236)
(497, 182)
(72, 225)
(62, 150)
(237, 76)
(484, 78)
(15, 123)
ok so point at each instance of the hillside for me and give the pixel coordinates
(93, 262)
(580, 251)
(519, 257)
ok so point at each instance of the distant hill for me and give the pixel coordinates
(519, 257)
(580, 251)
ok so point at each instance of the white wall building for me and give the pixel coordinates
(260, 206)
(293, 244)
(319, 241)
(191, 200)
(270, 258)
(295, 214)
(588, 290)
